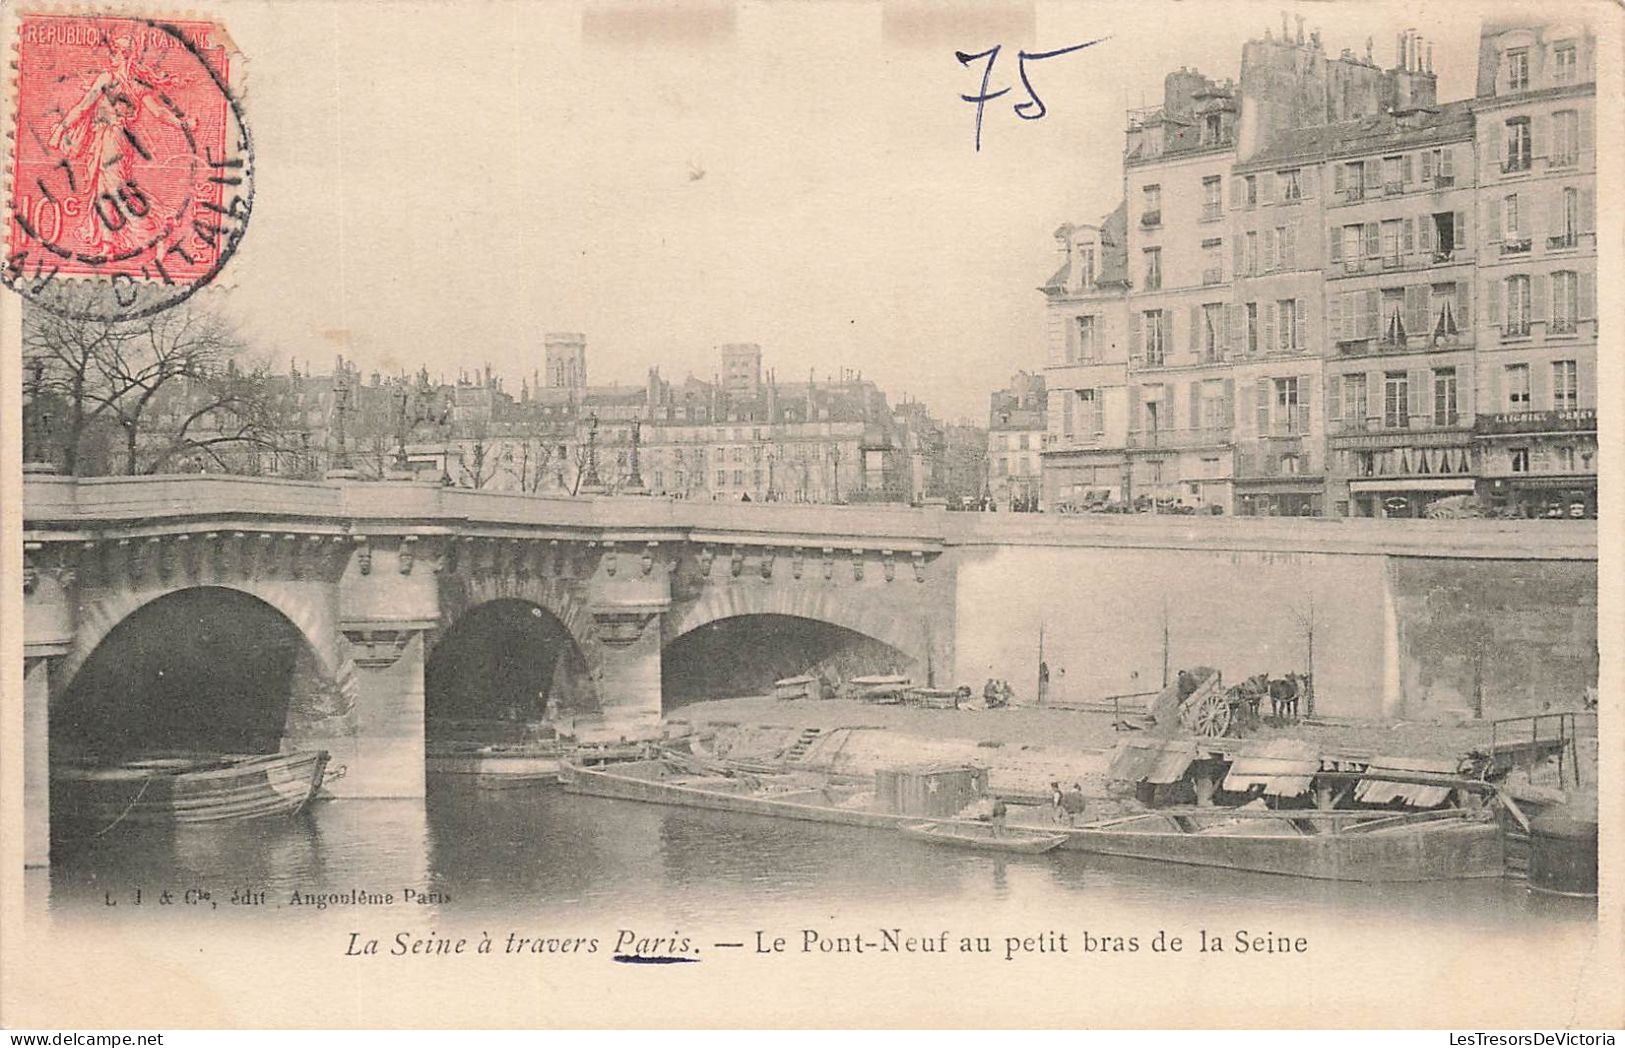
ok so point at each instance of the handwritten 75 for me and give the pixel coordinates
(1031, 109)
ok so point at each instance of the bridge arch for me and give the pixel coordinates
(507, 658)
(884, 621)
(205, 668)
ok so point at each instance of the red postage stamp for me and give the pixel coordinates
(132, 167)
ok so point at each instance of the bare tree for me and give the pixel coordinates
(1304, 612)
(476, 468)
(535, 455)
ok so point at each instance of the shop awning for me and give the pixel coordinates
(1282, 766)
(1457, 484)
(1373, 790)
(1152, 760)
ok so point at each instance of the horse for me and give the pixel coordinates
(1284, 693)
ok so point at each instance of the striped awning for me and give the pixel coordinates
(1152, 760)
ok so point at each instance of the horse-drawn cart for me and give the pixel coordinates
(1195, 700)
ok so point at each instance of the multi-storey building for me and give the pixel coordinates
(1536, 430)
(1181, 314)
(1016, 428)
(1086, 375)
(1405, 310)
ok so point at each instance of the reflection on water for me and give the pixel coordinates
(546, 855)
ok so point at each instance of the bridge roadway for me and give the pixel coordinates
(372, 575)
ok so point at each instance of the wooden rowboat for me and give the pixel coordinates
(185, 789)
(971, 835)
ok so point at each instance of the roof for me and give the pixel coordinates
(1282, 766)
(1449, 122)
(1152, 760)
(1113, 254)
(1376, 791)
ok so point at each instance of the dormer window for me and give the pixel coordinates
(1085, 258)
(1212, 129)
(1518, 69)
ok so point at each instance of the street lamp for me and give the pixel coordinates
(341, 403)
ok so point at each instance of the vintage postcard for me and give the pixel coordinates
(880, 514)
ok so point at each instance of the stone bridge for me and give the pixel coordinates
(369, 600)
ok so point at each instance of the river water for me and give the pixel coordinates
(554, 857)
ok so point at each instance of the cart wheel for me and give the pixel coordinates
(1210, 717)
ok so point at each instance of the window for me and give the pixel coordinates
(1215, 408)
(1086, 345)
(1442, 310)
(1286, 248)
(1090, 416)
(1390, 243)
(1439, 167)
(1212, 261)
(1565, 302)
(1443, 235)
(1565, 394)
(1212, 332)
(722, 478)
(1517, 380)
(1086, 265)
(1565, 138)
(1287, 417)
(739, 478)
(1354, 401)
(1153, 268)
(1352, 176)
(1396, 396)
(1520, 459)
(1365, 463)
(1249, 258)
(1286, 325)
(1565, 458)
(1291, 184)
(1212, 129)
(1392, 180)
(1444, 397)
(1210, 197)
(1565, 64)
(1511, 217)
(1517, 306)
(1517, 154)
(1351, 248)
(1568, 234)
(1393, 317)
(1252, 327)
(1155, 337)
(1518, 69)
(1250, 190)
(1151, 215)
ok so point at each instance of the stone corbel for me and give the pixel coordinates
(162, 555)
(767, 563)
(609, 559)
(919, 565)
(649, 551)
(363, 555)
(407, 555)
(290, 546)
(829, 562)
(90, 555)
(857, 565)
(188, 554)
(736, 562)
(216, 553)
(707, 554)
(239, 550)
(338, 551)
(620, 628)
(797, 558)
(889, 563)
(377, 649)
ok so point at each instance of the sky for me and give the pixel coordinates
(440, 184)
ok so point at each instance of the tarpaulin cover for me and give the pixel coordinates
(1282, 766)
(1152, 760)
(1373, 790)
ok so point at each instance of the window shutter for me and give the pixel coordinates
(1269, 250)
(1263, 404)
(1495, 317)
(1492, 219)
(1427, 167)
(1240, 260)
(1537, 135)
(1289, 254)
(1134, 339)
(1588, 210)
(1405, 168)
(1537, 297)
(1334, 397)
(1540, 394)
(1236, 185)
(1464, 306)
(1339, 179)
(1419, 392)
(1196, 405)
(1070, 338)
(1407, 239)
(1373, 175)
(1334, 245)
(1334, 317)
(1466, 396)
(1588, 296)
(1554, 213)
(1303, 326)
(1196, 329)
(1245, 409)
(1495, 403)
(1373, 240)
(1135, 413)
(1368, 313)
(1461, 231)
(1230, 402)
(1416, 309)
(1583, 138)
(1168, 326)
(1229, 337)
(1308, 179)
(1306, 385)
(1268, 344)
(1266, 187)
(1447, 164)
(1424, 234)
